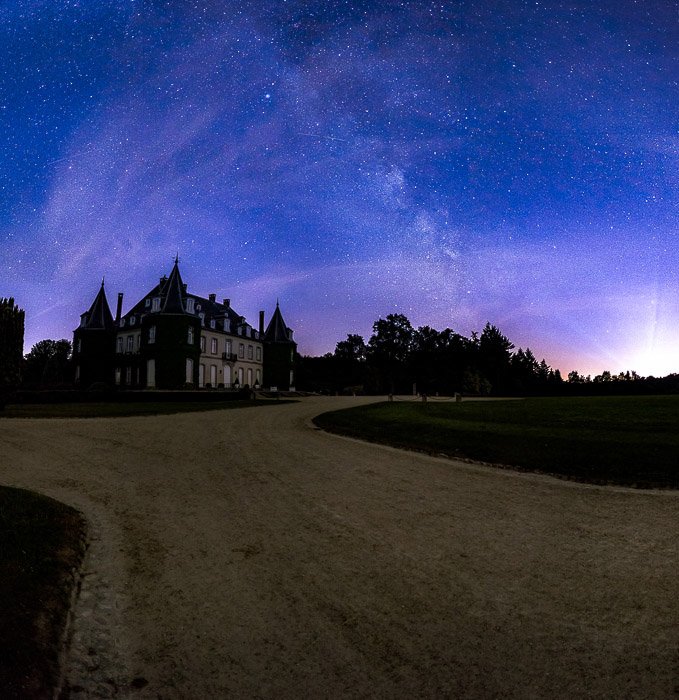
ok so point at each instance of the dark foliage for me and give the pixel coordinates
(11, 347)
(401, 359)
(48, 364)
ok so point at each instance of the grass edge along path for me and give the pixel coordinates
(43, 543)
(627, 441)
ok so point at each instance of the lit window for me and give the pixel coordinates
(202, 343)
(156, 304)
(130, 343)
(249, 352)
(120, 343)
(241, 350)
(189, 339)
(152, 334)
(213, 346)
(259, 354)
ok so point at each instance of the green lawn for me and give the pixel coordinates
(621, 440)
(41, 544)
(96, 409)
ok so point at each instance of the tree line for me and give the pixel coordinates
(398, 358)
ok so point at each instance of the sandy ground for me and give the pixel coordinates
(245, 554)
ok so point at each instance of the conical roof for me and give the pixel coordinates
(174, 291)
(99, 315)
(277, 331)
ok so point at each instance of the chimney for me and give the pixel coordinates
(261, 323)
(119, 308)
(212, 298)
(226, 302)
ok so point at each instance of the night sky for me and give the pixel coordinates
(458, 162)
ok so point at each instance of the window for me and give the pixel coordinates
(80, 345)
(189, 370)
(213, 346)
(147, 303)
(189, 338)
(130, 343)
(120, 344)
(156, 304)
(258, 377)
(202, 343)
(152, 335)
(249, 376)
(133, 320)
(190, 306)
(227, 347)
(227, 325)
(241, 350)
(202, 318)
(77, 373)
(117, 375)
(138, 342)
(250, 352)
(259, 354)
(212, 323)
(122, 323)
(128, 376)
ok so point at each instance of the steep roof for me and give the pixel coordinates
(174, 291)
(99, 315)
(277, 331)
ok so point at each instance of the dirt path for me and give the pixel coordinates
(245, 554)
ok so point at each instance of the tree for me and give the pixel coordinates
(11, 346)
(352, 349)
(47, 364)
(389, 350)
(350, 355)
(494, 356)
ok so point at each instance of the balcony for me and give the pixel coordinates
(229, 357)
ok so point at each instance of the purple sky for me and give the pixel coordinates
(511, 162)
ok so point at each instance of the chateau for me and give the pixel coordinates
(173, 339)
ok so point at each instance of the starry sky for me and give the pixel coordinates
(458, 162)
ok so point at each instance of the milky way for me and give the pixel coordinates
(512, 162)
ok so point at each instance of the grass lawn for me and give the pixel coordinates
(41, 543)
(621, 440)
(96, 409)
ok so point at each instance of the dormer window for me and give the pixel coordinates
(212, 323)
(152, 334)
(133, 320)
(122, 323)
(202, 318)
(147, 303)
(156, 304)
(227, 325)
(190, 305)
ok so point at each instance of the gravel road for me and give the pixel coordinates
(243, 553)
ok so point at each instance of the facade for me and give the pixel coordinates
(172, 339)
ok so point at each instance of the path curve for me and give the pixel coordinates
(242, 553)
